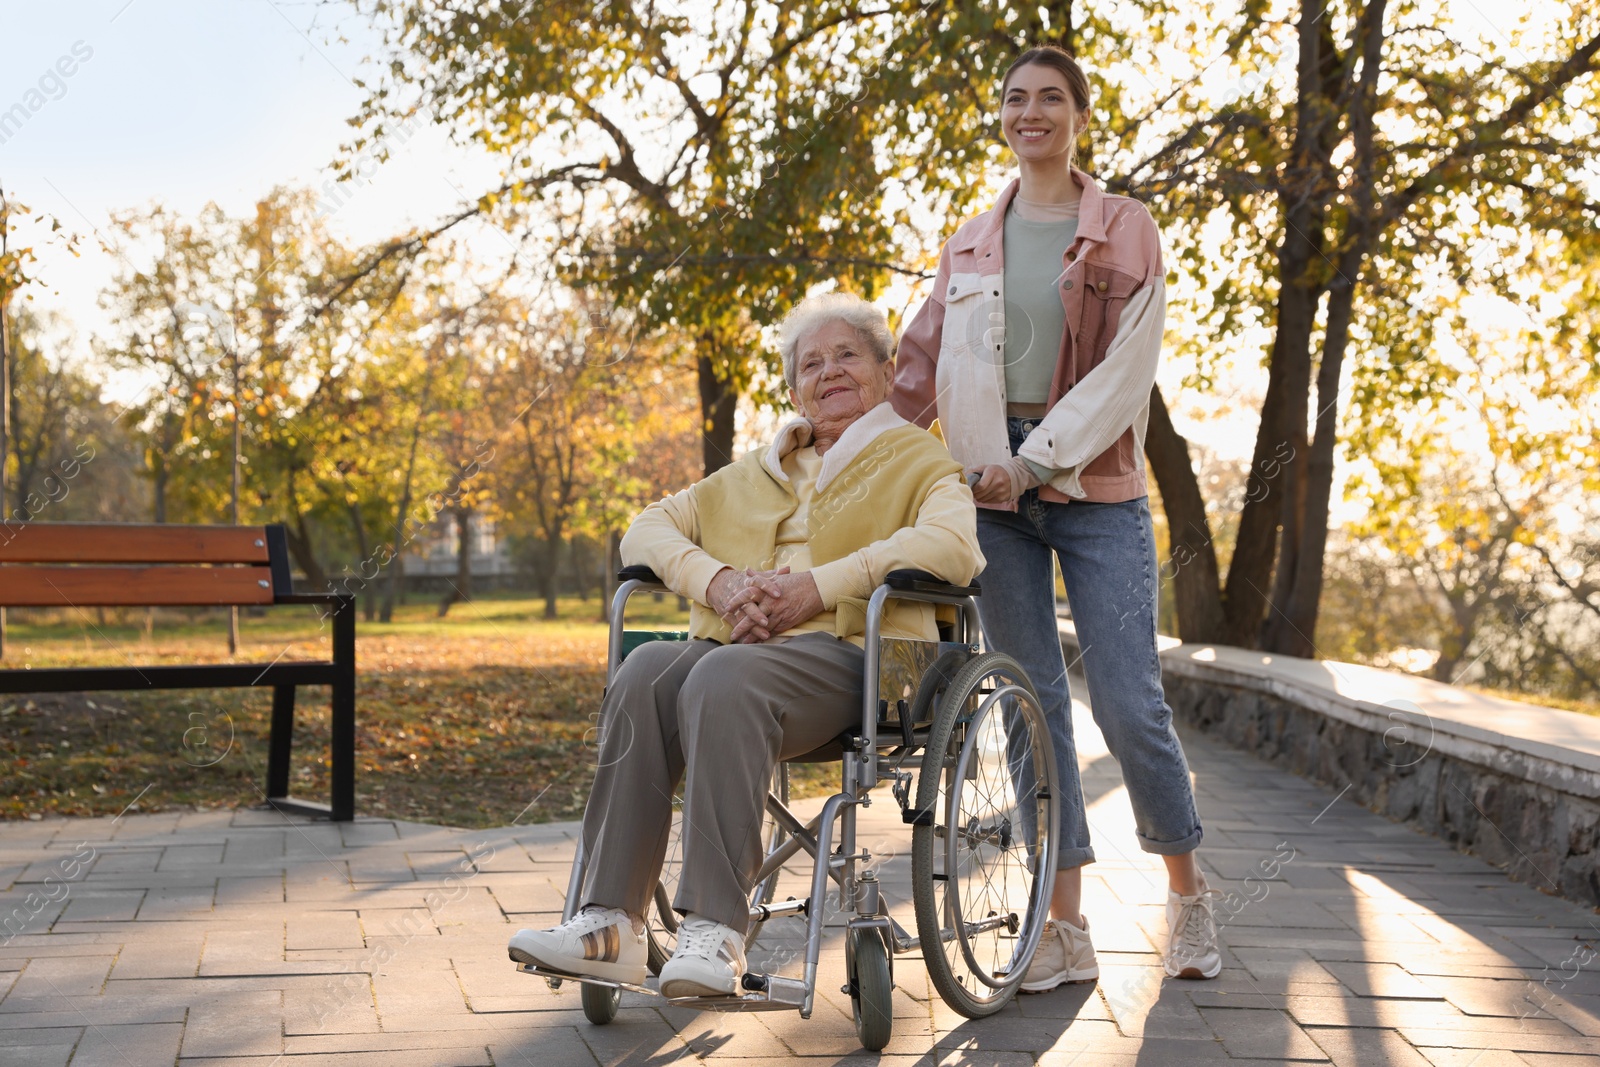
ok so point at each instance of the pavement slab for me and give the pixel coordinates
(251, 938)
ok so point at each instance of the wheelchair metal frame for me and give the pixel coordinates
(862, 770)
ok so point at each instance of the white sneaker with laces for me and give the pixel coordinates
(709, 960)
(595, 943)
(1065, 954)
(1192, 950)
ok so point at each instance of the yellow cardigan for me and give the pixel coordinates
(889, 496)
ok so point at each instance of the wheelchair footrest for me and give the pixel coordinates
(547, 973)
(765, 992)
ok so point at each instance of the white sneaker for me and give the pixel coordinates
(595, 943)
(1065, 954)
(708, 963)
(1192, 950)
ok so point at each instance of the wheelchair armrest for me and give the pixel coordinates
(638, 573)
(913, 581)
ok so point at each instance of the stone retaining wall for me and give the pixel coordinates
(1528, 808)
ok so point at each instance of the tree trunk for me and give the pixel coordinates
(397, 577)
(461, 588)
(1284, 452)
(158, 481)
(299, 538)
(394, 589)
(610, 564)
(578, 560)
(718, 401)
(402, 518)
(1293, 629)
(1244, 597)
(1278, 475)
(550, 575)
(1193, 562)
(1453, 645)
(1291, 513)
(369, 600)
(536, 567)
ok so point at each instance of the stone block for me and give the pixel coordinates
(1258, 1034)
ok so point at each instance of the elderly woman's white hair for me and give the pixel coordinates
(817, 311)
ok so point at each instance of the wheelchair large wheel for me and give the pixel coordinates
(871, 989)
(661, 924)
(983, 865)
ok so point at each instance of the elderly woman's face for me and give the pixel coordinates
(837, 377)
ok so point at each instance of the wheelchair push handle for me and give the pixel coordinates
(915, 581)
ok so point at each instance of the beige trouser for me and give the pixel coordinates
(730, 713)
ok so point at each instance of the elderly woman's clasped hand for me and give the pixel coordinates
(758, 604)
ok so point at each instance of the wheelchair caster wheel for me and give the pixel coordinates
(600, 1003)
(871, 1000)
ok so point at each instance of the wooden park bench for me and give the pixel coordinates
(77, 565)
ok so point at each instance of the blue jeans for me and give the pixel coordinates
(1108, 562)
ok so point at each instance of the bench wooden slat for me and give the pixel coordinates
(96, 542)
(97, 587)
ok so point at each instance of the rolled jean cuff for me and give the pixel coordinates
(1188, 843)
(1069, 858)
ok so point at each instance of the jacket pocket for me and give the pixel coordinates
(973, 320)
(1105, 293)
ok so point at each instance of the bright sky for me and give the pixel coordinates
(189, 101)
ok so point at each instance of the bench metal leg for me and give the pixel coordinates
(343, 799)
(280, 741)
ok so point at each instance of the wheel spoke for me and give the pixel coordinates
(996, 847)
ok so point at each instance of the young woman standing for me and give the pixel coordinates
(1036, 351)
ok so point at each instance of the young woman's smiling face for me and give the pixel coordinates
(1038, 116)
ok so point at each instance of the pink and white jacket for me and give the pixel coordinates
(1113, 288)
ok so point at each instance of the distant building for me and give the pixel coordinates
(430, 559)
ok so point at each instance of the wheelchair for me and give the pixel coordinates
(960, 737)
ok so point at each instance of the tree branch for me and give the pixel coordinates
(1253, 20)
(735, 257)
(1580, 62)
(626, 168)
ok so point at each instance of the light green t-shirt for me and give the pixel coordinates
(1034, 315)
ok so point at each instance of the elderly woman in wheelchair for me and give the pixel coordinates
(784, 556)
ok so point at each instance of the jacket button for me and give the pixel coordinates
(952, 290)
(1101, 287)
(1067, 284)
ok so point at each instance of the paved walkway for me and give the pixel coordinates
(235, 939)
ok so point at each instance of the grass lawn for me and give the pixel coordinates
(483, 718)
